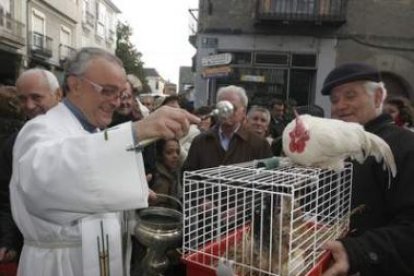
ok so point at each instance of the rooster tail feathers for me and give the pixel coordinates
(378, 148)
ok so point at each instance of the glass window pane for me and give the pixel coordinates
(301, 86)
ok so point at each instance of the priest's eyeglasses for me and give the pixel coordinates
(108, 91)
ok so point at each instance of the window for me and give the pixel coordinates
(304, 60)
(242, 58)
(304, 6)
(65, 36)
(110, 26)
(39, 29)
(272, 74)
(270, 58)
(294, 6)
(301, 86)
(101, 13)
(5, 6)
(38, 22)
(85, 9)
(65, 42)
(100, 27)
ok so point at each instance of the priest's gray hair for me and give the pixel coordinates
(239, 91)
(78, 63)
(48, 77)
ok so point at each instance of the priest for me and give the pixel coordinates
(73, 178)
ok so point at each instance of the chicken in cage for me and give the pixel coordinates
(258, 221)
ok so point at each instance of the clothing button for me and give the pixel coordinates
(373, 257)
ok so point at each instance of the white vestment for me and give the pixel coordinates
(65, 179)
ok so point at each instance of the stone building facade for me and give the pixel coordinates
(285, 48)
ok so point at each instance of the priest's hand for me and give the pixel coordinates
(152, 195)
(166, 122)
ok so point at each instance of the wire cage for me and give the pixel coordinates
(263, 221)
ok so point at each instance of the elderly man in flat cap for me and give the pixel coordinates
(381, 240)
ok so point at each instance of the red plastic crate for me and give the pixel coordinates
(197, 264)
(8, 269)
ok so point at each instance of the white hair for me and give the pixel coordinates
(256, 108)
(371, 87)
(77, 64)
(48, 77)
(241, 93)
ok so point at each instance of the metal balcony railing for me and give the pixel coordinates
(11, 28)
(41, 45)
(65, 51)
(193, 21)
(313, 11)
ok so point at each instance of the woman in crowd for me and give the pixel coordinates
(401, 111)
(166, 175)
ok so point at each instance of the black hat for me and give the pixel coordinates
(349, 72)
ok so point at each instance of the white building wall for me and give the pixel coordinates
(102, 33)
(156, 89)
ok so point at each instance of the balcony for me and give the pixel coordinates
(88, 20)
(11, 31)
(193, 25)
(315, 12)
(41, 45)
(65, 52)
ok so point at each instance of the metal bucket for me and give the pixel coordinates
(159, 229)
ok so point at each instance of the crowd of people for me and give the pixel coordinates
(65, 167)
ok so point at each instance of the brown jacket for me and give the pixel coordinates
(207, 152)
(166, 182)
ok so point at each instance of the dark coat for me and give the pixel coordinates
(207, 152)
(277, 126)
(168, 183)
(10, 236)
(382, 240)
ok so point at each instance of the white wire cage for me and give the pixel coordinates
(266, 222)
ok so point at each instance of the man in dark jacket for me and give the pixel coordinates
(229, 141)
(38, 90)
(277, 119)
(381, 240)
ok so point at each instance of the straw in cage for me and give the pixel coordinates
(286, 215)
(264, 247)
(256, 253)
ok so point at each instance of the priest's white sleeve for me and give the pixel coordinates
(64, 177)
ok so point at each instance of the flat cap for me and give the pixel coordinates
(349, 72)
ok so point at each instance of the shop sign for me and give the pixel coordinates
(252, 78)
(215, 60)
(214, 72)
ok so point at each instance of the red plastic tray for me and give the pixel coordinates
(198, 264)
(8, 269)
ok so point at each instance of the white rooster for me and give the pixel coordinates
(326, 143)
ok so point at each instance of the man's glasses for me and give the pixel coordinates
(108, 91)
